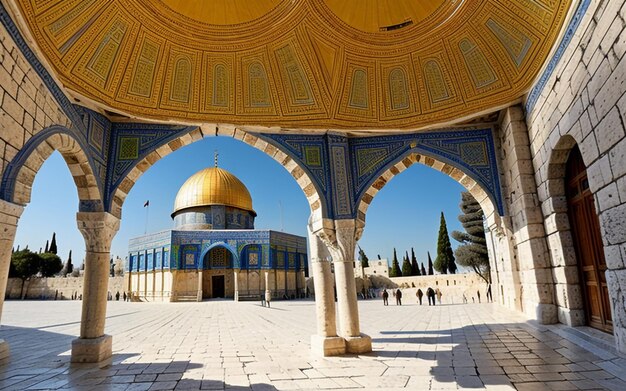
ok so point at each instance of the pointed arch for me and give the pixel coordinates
(403, 162)
(118, 193)
(18, 177)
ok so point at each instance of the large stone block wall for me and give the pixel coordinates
(61, 287)
(27, 107)
(584, 103)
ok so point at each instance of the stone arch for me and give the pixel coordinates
(565, 273)
(244, 263)
(18, 178)
(213, 246)
(403, 162)
(304, 181)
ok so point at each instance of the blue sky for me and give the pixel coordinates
(404, 214)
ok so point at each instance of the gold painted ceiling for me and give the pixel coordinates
(297, 63)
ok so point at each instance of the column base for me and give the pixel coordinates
(93, 350)
(358, 345)
(327, 346)
(5, 352)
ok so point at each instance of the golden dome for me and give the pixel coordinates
(213, 186)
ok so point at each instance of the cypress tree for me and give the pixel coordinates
(472, 252)
(445, 256)
(395, 266)
(430, 265)
(46, 250)
(363, 258)
(53, 244)
(415, 269)
(423, 270)
(67, 266)
(406, 265)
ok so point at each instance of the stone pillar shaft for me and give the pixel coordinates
(9, 216)
(346, 299)
(236, 285)
(98, 229)
(324, 299)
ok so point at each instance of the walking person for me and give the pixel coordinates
(398, 297)
(489, 296)
(419, 295)
(431, 296)
(478, 294)
(439, 294)
(385, 297)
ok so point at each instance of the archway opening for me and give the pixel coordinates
(405, 215)
(587, 240)
(47, 218)
(217, 282)
(273, 240)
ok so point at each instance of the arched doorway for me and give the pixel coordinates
(587, 243)
(217, 278)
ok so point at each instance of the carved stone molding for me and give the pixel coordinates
(98, 229)
(9, 215)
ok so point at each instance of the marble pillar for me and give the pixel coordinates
(346, 235)
(326, 342)
(9, 216)
(236, 283)
(200, 282)
(98, 229)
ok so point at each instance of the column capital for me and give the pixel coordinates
(339, 236)
(98, 229)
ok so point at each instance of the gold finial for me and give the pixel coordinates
(216, 155)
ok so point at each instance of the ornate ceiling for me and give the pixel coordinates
(297, 63)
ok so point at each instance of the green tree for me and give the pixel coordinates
(444, 262)
(49, 264)
(68, 267)
(47, 247)
(406, 265)
(423, 270)
(472, 252)
(53, 244)
(415, 269)
(430, 265)
(395, 266)
(25, 265)
(363, 258)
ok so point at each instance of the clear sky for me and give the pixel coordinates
(404, 214)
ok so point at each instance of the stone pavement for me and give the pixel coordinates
(228, 345)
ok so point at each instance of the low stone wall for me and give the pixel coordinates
(61, 287)
(452, 287)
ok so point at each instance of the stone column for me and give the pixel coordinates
(98, 229)
(9, 216)
(325, 342)
(200, 282)
(236, 284)
(267, 283)
(346, 234)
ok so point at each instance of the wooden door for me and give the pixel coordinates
(585, 227)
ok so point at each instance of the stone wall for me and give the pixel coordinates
(452, 286)
(27, 105)
(46, 288)
(584, 103)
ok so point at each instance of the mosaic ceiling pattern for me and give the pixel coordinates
(299, 64)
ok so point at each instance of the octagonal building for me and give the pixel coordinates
(213, 250)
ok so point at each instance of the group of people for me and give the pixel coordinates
(431, 294)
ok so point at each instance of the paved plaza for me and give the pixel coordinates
(223, 344)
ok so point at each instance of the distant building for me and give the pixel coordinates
(214, 250)
(379, 267)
